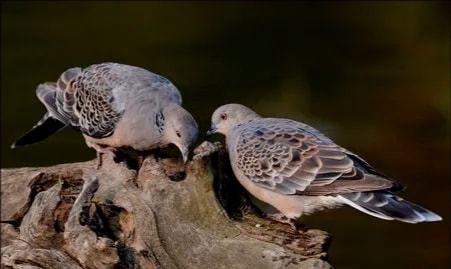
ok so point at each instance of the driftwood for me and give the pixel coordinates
(75, 216)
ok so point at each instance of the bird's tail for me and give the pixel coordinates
(51, 122)
(385, 205)
(44, 128)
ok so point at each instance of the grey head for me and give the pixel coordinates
(227, 116)
(180, 128)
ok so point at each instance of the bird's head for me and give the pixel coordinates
(180, 128)
(227, 116)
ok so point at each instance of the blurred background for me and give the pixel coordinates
(375, 77)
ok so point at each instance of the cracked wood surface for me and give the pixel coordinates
(74, 216)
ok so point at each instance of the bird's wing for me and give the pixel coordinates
(166, 90)
(151, 83)
(84, 99)
(293, 158)
(93, 102)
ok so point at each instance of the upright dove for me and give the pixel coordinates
(297, 170)
(115, 105)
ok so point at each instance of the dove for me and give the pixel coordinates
(295, 169)
(115, 106)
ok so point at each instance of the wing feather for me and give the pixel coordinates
(293, 158)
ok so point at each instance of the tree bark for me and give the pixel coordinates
(164, 215)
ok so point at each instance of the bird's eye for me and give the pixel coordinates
(178, 134)
(223, 116)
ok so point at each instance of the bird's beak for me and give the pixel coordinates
(212, 130)
(185, 153)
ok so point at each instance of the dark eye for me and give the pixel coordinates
(223, 116)
(178, 134)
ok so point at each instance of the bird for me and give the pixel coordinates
(115, 106)
(291, 169)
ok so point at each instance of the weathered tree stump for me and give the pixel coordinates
(75, 216)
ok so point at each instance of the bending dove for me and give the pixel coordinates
(297, 170)
(114, 106)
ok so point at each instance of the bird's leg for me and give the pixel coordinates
(279, 217)
(99, 159)
(139, 160)
(101, 150)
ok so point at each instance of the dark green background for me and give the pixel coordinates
(373, 76)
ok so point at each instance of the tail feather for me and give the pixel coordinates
(43, 129)
(386, 205)
(47, 94)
